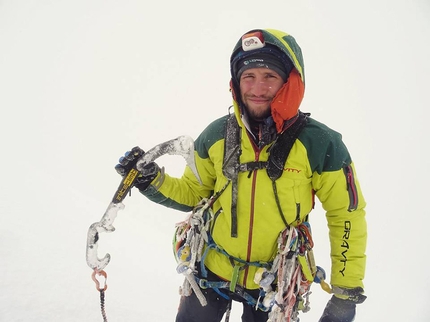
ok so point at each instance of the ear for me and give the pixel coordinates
(287, 101)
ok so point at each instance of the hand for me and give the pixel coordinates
(129, 160)
(338, 310)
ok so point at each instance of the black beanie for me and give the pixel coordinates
(263, 60)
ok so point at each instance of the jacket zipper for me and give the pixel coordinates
(251, 217)
(351, 187)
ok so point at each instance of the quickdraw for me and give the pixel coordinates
(189, 240)
(294, 268)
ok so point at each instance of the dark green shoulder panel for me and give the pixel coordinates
(212, 134)
(325, 148)
(152, 194)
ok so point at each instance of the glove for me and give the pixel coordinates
(128, 162)
(338, 310)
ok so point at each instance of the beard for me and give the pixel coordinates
(258, 115)
(257, 112)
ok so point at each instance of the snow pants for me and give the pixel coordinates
(190, 309)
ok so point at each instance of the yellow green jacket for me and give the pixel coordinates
(318, 165)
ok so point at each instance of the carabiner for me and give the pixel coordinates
(103, 274)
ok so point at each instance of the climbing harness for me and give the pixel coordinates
(284, 284)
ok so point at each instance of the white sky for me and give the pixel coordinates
(83, 81)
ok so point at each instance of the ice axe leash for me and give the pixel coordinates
(183, 146)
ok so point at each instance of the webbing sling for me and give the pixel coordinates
(275, 164)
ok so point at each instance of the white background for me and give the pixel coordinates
(81, 82)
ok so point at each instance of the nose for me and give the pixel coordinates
(260, 87)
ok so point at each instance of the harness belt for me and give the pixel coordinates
(217, 286)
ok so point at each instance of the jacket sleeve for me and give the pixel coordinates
(186, 192)
(342, 199)
(180, 193)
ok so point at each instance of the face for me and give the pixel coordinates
(258, 87)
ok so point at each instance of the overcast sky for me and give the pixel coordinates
(81, 82)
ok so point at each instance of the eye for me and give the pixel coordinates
(247, 76)
(270, 75)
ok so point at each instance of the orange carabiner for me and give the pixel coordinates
(99, 273)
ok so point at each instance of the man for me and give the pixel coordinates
(265, 164)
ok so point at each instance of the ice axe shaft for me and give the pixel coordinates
(182, 145)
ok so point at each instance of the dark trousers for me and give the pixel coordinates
(190, 309)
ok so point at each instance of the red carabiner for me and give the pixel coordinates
(104, 275)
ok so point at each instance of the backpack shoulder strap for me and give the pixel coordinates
(230, 168)
(232, 150)
(282, 147)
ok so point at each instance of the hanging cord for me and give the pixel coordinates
(102, 305)
(101, 287)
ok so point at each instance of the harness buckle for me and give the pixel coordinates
(203, 283)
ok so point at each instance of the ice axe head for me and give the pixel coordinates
(182, 145)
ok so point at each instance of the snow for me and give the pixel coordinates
(83, 81)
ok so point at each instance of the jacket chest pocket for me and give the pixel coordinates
(295, 197)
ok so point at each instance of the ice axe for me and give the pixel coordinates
(182, 145)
